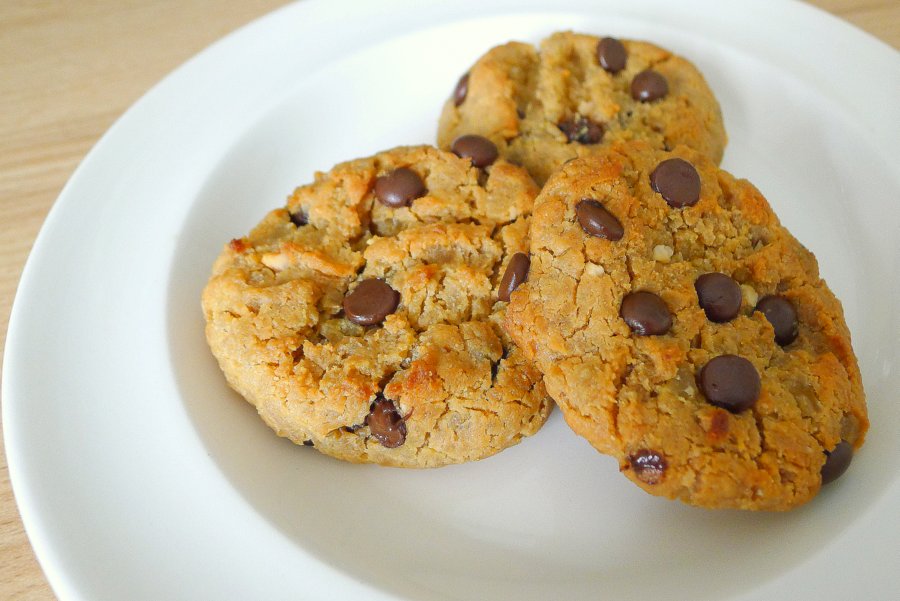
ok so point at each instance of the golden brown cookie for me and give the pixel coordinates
(363, 318)
(577, 94)
(684, 331)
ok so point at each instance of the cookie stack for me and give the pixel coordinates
(574, 241)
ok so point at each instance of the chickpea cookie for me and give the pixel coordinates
(578, 93)
(682, 330)
(365, 317)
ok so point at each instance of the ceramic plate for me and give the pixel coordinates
(140, 475)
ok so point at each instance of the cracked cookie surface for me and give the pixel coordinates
(578, 93)
(698, 344)
(363, 318)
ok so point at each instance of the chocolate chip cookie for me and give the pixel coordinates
(577, 94)
(365, 317)
(684, 331)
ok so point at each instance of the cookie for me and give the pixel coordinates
(365, 317)
(682, 330)
(576, 95)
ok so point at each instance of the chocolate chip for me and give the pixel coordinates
(730, 382)
(719, 295)
(645, 313)
(461, 90)
(782, 315)
(611, 55)
(648, 86)
(516, 273)
(308, 443)
(386, 424)
(837, 462)
(581, 130)
(299, 218)
(649, 466)
(480, 150)
(370, 302)
(399, 187)
(597, 221)
(677, 182)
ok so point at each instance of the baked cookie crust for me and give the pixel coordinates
(719, 402)
(363, 317)
(575, 95)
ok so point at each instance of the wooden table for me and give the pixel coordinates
(69, 70)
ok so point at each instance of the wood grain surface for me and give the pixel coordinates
(69, 69)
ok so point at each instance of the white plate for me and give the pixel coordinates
(141, 476)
